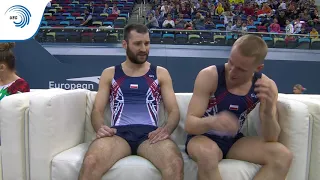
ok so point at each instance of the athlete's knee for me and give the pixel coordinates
(173, 167)
(90, 162)
(279, 156)
(207, 155)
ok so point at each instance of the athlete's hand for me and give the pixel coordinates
(267, 94)
(159, 134)
(106, 131)
(225, 122)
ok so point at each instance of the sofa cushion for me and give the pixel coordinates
(66, 166)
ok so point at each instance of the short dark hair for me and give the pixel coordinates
(140, 28)
(6, 55)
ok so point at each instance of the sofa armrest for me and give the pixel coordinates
(13, 110)
(56, 123)
(295, 129)
(313, 103)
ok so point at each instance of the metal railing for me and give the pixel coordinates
(176, 31)
(177, 36)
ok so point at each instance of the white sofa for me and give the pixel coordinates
(60, 131)
(14, 144)
(313, 103)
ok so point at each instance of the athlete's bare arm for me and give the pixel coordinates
(267, 92)
(171, 106)
(205, 84)
(102, 98)
(169, 99)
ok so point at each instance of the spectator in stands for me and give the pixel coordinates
(305, 16)
(198, 21)
(219, 9)
(303, 31)
(260, 2)
(165, 10)
(250, 21)
(107, 9)
(185, 9)
(226, 6)
(289, 27)
(91, 7)
(203, 8)
(88, 18)
(274, 4)
(292, 7)
(298, 89)
(168, 23)
(228, 16)
(188, 26)
(238, 9)
(212, 9)
(315, 16)
(152, 22)
(10, 82)
(229, 26)
(208, 19)
(115, 9)
(195, 6)
(282, 19)
(283, 5)
(244, 27)
(297, 26)
(293, 14)
(314, 33)
(275, 27)
(266, 10)
(237, 26)
(177, 9)
(180, 23)
(249, 10)
(164, 7)
(158, 16)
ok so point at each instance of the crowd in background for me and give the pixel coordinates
(290, 17)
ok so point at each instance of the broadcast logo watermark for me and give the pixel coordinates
(20, 15)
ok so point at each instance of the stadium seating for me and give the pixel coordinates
(66, 14)
(59, 130)
(61, 20)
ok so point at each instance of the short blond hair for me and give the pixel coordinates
(252, 46)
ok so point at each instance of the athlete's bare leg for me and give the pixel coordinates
(207, 155)
(274, 157)
(165, 156)
(102, 155)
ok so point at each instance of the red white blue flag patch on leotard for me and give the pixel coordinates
(233, 107)
(133, 86)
